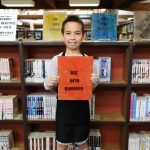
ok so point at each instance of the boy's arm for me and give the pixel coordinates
(50, 83)
(95, 81)
(94, 76)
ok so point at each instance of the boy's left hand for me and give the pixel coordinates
(95, 79)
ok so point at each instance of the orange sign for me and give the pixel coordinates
(75, 77)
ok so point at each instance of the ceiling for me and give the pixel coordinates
(109, 4)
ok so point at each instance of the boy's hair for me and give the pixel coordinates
(72, 18)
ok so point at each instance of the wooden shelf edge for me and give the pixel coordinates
(139, 123)
(13, 81)
(114, 83)
(61, 43)
(140, 85)
(111, 147)
(17, 119)
(109, 118)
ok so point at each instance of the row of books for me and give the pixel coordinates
(33, 35)
(43, 106)
(6, 140)
(47, 141)
(36, 69)
(139, 107)
(6, 68)
(128, 27)
(141, 71)
(139, 141)
(8, 106)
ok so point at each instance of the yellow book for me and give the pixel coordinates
(52, 23)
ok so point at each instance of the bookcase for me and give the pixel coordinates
(112, 104)
(140, 51)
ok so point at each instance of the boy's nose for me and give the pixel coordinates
(72, 36)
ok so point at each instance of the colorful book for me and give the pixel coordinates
(104, 64)
(75, 77)
(104, 27)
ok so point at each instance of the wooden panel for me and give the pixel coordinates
(107, 135)
(141, 52)
(109, 100)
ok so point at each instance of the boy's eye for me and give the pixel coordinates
(78, 33)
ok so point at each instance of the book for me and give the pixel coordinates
(52, 23)
(75, 77)
(104, 27)
(6, 139)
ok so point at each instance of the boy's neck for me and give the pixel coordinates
(72, 52)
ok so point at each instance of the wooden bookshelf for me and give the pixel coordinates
(140, 51)
(112, 98)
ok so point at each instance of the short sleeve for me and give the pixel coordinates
(53, 70)
(54, 66)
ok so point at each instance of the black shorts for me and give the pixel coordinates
(72, 121)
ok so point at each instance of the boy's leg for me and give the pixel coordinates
(83, 146)
(61, 146)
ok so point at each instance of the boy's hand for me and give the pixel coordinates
(95, 80)
(52, 81)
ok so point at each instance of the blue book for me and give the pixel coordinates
(104, 27)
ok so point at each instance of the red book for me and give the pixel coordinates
(75, 77)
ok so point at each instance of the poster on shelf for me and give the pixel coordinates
(104, 27)
(141, 25)
(52, 23)
(75, 77)
(8, 24)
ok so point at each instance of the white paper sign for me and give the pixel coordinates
(8, 23)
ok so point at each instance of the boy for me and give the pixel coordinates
(72, 117)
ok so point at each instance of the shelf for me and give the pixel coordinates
(99, 118)
(17, 119)
(111, 147)
(7, 43)
(143, 42)
(18, 147)
(139, 123)
(113, 83)
(12, 82)
(34, 84)
(40, 121)
(89, 43)
(140, 85)
(109, 118)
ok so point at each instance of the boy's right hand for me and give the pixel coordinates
(52, 81)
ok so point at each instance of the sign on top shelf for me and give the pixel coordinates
(104, 27)
(8, 21)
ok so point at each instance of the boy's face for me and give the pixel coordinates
(73, 35)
